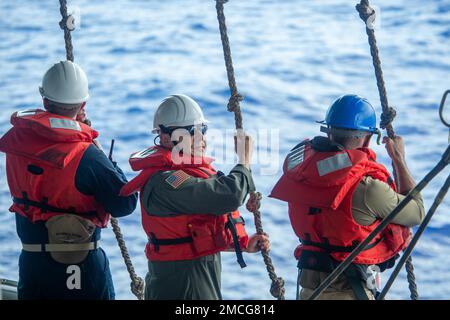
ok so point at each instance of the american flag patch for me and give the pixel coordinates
(177, 178)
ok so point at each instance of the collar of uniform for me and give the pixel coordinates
(159, 157)
(323, 144)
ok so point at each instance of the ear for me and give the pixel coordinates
(165, 141)
(367, 141)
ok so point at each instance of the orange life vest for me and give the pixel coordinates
(183, 236)
(43, 151)
(318, 187)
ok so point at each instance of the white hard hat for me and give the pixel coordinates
(178, 110)
(65, 82)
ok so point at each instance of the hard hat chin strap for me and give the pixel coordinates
(346, 133)
(378, 133)
(155, 143)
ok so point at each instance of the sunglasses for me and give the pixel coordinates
(191, 129)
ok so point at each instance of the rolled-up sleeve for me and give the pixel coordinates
(374, 199)
(215, 195)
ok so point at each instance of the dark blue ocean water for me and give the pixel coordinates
(292, 58)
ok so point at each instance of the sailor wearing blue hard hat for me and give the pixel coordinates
(338, 193)
(351, 116)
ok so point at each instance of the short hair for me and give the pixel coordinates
(347, 137)
(63, 109)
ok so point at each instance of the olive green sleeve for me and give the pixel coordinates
(215, 195)
(374, 199)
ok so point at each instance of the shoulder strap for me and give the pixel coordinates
(137, 182)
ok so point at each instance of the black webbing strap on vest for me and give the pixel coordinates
(167, 242)
(45, 207)
(231, 225)
(332, 248)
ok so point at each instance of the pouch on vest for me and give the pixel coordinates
(315, 260)
(396, 237)
(69, 229)
(356, 274)
(205, 239)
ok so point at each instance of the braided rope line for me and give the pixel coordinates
(235, 97)
(63, 25)
(277, 288)
(409, 266)
(367, 14)
(137, 283)
(253, 204)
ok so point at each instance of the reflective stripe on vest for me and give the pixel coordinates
(334, 163)
(295, 157)
(57, 123)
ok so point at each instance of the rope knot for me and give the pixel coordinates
(67, 23)
(254, 202)
(387, 117)
(137, 287)
(277, 288)
(233, 102)
(366, 13)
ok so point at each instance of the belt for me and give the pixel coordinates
(60, 247)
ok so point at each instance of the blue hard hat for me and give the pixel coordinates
(351, 111)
